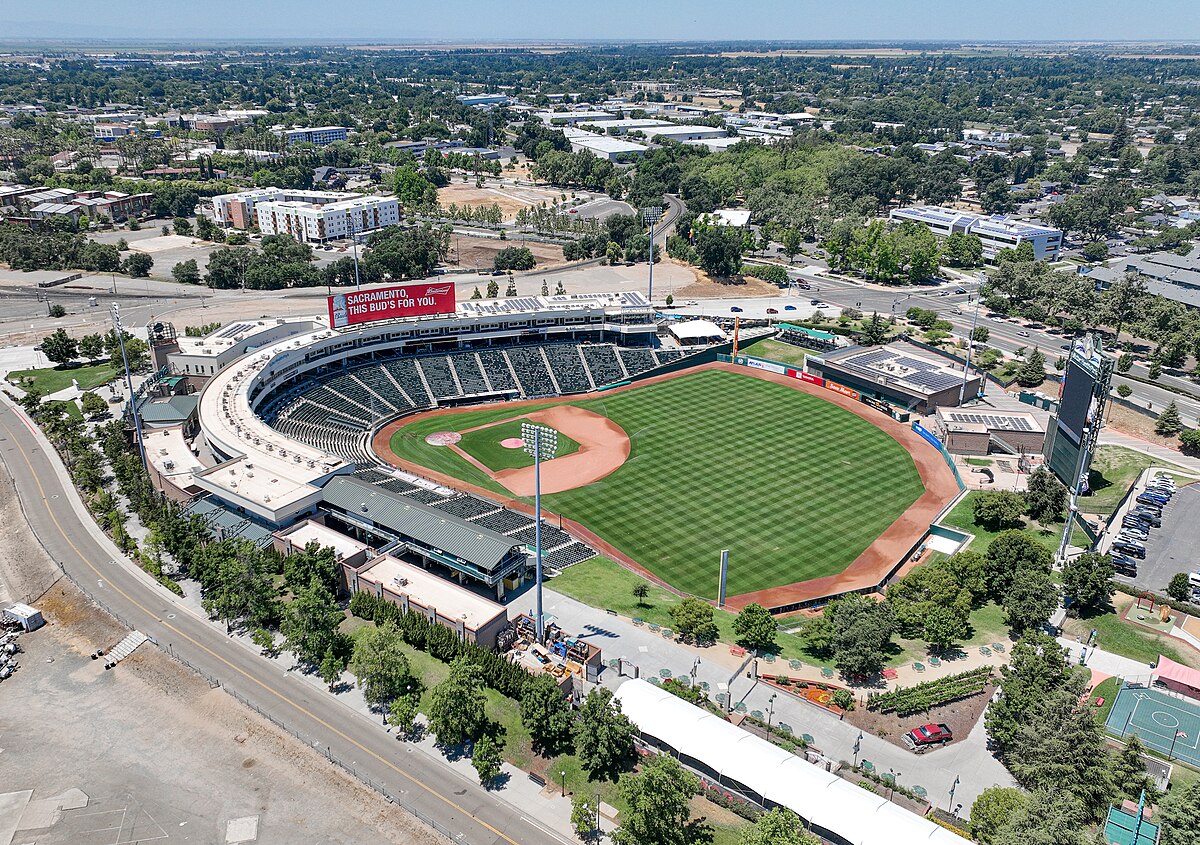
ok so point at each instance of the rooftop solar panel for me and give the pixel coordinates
(918, 364)
(868, 358)
(932, 381)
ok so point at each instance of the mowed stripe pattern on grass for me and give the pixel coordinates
(795, 487)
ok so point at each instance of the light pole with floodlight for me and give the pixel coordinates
(651, 215)
(115, 311)
(539, 442)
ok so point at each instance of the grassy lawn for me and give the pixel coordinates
(986, 627)
(794, 486)
(776, 350)
(53, 380)
(484, 446)
(1128, 640)
(71, 407)
(1106, 689)
(603, 583)
(1113, 469)
(962, 517)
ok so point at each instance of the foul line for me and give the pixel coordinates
(242, 672)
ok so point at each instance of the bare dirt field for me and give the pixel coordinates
(478, 253)
(146, 746)
(510, 198)
(705, 287)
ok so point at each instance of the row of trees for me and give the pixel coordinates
(62, 348)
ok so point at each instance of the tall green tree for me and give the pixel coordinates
(313, 561)
(755, 628)
(59, 347)
(604, 737)
(1033, 371)
(310, 622)
(874, 331)
(1129, 771)
(992, 810)
(380, 665)
(1029, 602)
(693, 618)
(1050, 817)
(486, 757)
(1168, 421)
(1179, 815)
(547, 716)
(1088, 579)
(658, 799)
(778, 827)
(1045, 496)
(456, 707)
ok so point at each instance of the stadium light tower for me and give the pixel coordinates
(115, 311)
(652, 215)
(970, 348)
(541, 443)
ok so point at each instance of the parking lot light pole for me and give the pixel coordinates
(539, 442)
(953, 787)
(771, 709)
(651, 215)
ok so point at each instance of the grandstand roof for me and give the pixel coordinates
(899, 365)
(308, 531)
(431, 591)
(821, 798)
(406, 517)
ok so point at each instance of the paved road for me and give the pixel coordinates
(56, 516)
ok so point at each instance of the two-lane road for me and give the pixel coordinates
(56, 516)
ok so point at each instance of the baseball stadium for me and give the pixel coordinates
(663, 456)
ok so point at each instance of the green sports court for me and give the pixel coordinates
(1156, 717)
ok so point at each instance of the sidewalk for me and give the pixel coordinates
(1108, 663)
(1112, 437)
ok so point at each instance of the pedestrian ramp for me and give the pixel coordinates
(124, 648)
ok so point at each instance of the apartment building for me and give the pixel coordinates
(316, 135)
(238, 210)
(312, 222)
(995, 233)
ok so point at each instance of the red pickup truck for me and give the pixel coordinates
(923, 738)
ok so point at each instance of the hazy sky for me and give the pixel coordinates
(604, 19)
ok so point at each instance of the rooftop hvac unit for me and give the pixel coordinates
(249, 474)
(364, 507)
(400, 582)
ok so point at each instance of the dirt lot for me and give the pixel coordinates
(706, 288)
(147, 742)
(480, 252)
(961, 716)
(510, 198)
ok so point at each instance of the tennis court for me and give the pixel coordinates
(1159, 719)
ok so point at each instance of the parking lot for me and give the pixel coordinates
(1170, 548)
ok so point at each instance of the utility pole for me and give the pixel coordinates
(539, 442)
(115, 310)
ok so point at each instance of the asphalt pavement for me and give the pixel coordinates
(70, 536)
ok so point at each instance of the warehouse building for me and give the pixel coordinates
(898, 373)
(603, 146)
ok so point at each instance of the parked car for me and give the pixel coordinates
(924, 737)
(1150, 518)
(1147, 499)
(789, 308)
(1135, 550)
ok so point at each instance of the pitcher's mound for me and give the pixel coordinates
(512, 442)
(443, 438)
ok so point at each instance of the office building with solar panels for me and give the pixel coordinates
(980, 431)
(898, 373)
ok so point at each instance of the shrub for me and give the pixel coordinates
(904, 701)
(767, 272)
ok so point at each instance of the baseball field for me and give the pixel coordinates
(793, 485)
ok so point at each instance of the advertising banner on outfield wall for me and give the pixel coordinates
(420, 299)
(841, 388)
(769, 366)
(811, 379)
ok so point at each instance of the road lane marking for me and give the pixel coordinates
(240, 671)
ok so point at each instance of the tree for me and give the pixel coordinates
(640, 591)
(186, 272)
(944, 625)
(1155, 371)
(1049, 817)
(331, 668)
(1033, 371)
(92, 404)
(456, 706)
(59, 347)
(1180, 587)
(310, 621)
(137, 265)
(1124, 362)
(182, 226)
(91, 346)
(414, 191)
(547, 716)
(659, 805)
(583, 816)
(1011, 555)
(1045, 497)
(493, 289)
(514, 258)
(1189, 442)
(512, 286)
(1168, 421)
(313, 561)
(980, 334)
(1088, 579)
(778, 827)
(993, 809)
(693, 618)
(1029, 602)
(719, 250)
(997, 510)
(755, 628)
(1179, 815)
(862, 628)
(604, 738)
(380, 665)
(874, 331)
(1095, 251)
(486, 757)
(1123, 301)
(56, 311)
(1129, 771)
(1124, 391)
(402, 713)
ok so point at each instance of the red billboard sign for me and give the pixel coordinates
(811, 379)
(420, 299)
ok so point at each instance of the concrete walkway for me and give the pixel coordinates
(1108, 663)
(1112, 437)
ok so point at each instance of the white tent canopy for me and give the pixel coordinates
(822, 799)
(697, 331)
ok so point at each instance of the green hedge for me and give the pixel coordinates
(904, 701)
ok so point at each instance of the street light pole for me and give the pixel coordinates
(970, 348)
(771, 709)
(651, 215)
(538, 441)
(953, 787)
(115, 310)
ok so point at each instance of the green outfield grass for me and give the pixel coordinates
(484, 446)
(794, 486)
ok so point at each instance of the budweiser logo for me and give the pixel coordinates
(442, 291)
